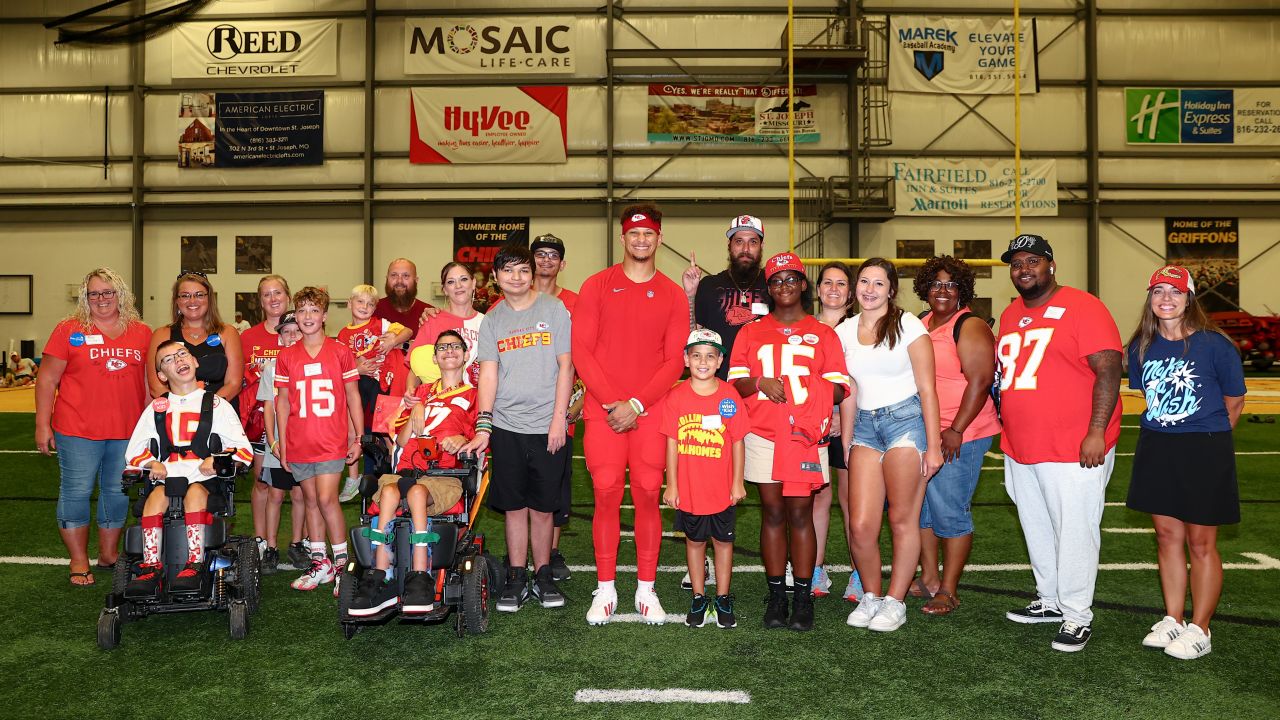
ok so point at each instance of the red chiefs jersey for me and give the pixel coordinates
(318, 416)
(705, 428)
(1046, 385)
(767, 348)
(447, 414)
(364, 340)
(259, 346)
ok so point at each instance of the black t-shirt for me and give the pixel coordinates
(721, 306)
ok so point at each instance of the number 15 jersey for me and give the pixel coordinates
(1046, 384)
(318, 417)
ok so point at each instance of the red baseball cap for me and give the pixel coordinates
(1174, 275)
(783, 261)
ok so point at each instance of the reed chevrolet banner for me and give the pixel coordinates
(255, 48)
(972, 186)
(488, 124)
(966, 56)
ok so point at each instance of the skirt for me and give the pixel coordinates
(1188, 476)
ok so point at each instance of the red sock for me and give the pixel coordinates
(152, 526)
(195, 535)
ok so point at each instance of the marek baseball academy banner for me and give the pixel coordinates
(494, 46)
(488, 124)
(972, 186)
(730, 113)
(255, 48)
(259, 129)
(967, 56)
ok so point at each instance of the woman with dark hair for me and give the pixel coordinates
(89, 393)
(1184, 468)
(198, 325)
(460, 314)
(788, 368)
(894, 441)
(964, 362)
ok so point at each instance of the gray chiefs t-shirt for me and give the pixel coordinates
(526, 345)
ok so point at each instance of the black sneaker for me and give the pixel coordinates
(545, 590)
(1034, 613)
(697, 616)
(373, 595)
(775, 611)
(419, 593)
(725, 618)
(299, 556)
(801, 612)
(559, 568)
(188, 579)
(270, 561)
(146, 583)
(516, 591)
(1072, 637)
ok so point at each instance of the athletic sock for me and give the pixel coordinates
(605, 586)
(317, 549)
(196, 522)
(776, 585)
(340, 554)
(644, 586)
(152, 526)
(802, 585)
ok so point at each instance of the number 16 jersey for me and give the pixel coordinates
(318, 417)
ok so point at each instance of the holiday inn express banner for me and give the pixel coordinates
(255, 48)
(488, 124)
(972, 187)
(1200, 116)
(967, 56)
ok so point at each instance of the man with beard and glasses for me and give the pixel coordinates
(1059, 353)
(401, 303)
(726, 301)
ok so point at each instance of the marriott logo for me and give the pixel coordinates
(486, 118)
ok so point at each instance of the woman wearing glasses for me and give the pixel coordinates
(198, 325)
(89, 394)
(964, 358)
(460, 315)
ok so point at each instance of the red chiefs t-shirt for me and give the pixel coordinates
(318, 417)
(258, 345)
(446, 414)
(104, 388)
(767, 348)
(364, 339)
(705, 427)
(1046, 386)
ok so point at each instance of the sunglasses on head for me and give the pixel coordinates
(197, 273)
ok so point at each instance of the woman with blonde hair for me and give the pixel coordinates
(198, 325)
(89, 393)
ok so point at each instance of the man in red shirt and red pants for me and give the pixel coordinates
(629, 329)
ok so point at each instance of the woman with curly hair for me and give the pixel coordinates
(90, 391)
(964, 363)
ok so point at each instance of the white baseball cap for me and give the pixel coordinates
(703, 336)
(745, 222)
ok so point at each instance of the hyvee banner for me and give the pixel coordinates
(255, 48)
(498, 46)
(488, 124)
(1189, 116)
(969, 56)
(730, 113)
(1210, 249)
(265, 129)
(973, 186)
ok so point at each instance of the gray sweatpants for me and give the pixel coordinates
(1060, 509)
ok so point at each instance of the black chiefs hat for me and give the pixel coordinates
(1033, 244)
(548, 241)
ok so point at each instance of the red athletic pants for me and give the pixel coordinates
(609, 455)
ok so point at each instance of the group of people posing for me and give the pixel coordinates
(781, 388)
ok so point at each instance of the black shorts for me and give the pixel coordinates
(278, 478)
(369, 389)
(700, 527)
(1188, 476)
(523, 474)
(836, 457)
(566, 501)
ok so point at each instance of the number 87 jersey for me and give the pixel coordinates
(1046, 384)
(794, 353)
(318, 416)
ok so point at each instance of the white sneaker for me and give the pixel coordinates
(650, 608)
(1191, 644)
(866, 610)
(349, 489)
(1163, 633)
(789, 580)
(262, 546)
(890, 616)
(709, 573)
(320, 572)
(603, 605)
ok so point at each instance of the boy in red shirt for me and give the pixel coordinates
(704, 421)
(318, 398)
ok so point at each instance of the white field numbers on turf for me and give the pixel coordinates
(788, 369)
(318, 399)
(1011, 346)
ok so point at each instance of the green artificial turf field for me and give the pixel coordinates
(972, 664)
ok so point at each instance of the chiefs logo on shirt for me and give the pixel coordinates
(115, 364)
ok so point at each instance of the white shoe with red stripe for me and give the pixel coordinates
(650, 608)
(603, 605)
(320, 572)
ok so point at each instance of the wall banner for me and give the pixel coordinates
(968, 56)
(730, 113)
(255, 48)
(973, 187)
(1190, 116)
(488, 124)
(1210, 249)
(495, 46)
(263, 129)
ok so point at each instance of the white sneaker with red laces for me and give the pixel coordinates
(320, 572)
(650, 608)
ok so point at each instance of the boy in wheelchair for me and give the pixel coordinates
(173, 439)
(439, 420)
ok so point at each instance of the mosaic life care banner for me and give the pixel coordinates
(490, 46)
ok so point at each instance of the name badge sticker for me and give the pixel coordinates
(214, 340)
(311, 369)
(93, 340)
(1054, 312)
(759, 308)
(712, 422)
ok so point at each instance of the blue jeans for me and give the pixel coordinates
(947, 496)
(82, 462)
(898, 425)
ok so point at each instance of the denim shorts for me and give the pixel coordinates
(948, 494)
(84, 463)
(306, 471)
(898, 425)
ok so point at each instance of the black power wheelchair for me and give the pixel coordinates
(464, 573)
(230, 573)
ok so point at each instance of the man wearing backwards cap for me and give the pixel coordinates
(629, 330)
(726, 301)
(1059, 352)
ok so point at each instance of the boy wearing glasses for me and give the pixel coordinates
(183, 408)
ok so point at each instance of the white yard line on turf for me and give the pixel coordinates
(667, 695)
(670, 534)
(1130, 531)
(673, 618)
